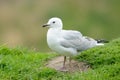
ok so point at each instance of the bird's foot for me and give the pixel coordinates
(63, 69)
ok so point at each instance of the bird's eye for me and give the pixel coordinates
(53, 21)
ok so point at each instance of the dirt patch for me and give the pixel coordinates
(57, 63)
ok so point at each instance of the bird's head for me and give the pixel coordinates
(54, 23)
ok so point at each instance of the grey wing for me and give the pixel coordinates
(74, 39)
(71, 34)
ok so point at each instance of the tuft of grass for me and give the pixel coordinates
(23, 64)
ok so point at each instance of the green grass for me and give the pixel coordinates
(23, 64)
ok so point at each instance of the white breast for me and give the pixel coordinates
(53, 38)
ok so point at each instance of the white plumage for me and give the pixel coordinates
(67, 42)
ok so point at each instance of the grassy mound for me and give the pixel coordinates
(102, 55)
(22, 64)
(105, 60)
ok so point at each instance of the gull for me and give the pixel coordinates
(67, 42)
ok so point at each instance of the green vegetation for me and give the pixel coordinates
(23, 64)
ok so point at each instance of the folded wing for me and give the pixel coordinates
(74, 39)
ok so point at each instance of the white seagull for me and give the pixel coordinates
(67, 42)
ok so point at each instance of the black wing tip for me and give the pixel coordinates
(102, 41)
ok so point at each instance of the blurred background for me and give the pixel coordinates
(21, 20)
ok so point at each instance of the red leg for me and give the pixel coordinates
(64, 67)
(64, 61)
(70, 61)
